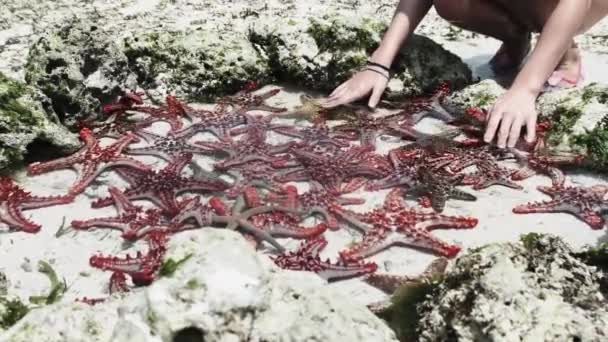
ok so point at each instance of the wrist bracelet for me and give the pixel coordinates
(377, 72)
(385, 68)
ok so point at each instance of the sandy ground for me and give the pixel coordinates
(69, 254)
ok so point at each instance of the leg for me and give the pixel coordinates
(488, 18)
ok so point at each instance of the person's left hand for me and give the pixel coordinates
(512, 111)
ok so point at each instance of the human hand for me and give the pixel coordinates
(369, 80)
(512, 111)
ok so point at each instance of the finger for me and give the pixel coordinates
(531, 129)
(338, 89)
(515, 131)
(495, 117)
(337, 100)
(505, 128)
(375, 97)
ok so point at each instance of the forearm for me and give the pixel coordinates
(554, 40)
(408, 15)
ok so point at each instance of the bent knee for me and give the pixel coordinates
(451, 10)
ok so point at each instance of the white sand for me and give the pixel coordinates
(70, 253)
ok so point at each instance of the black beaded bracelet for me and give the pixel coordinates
(378, 72)
(385, 68)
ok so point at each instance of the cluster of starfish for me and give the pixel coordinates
(257, 175)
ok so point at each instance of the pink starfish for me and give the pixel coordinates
(590, 204)
(218, 122)
(490, 173)
(13, 199)
(133, 221)
(369, 127)
(94, 159)
(546, 162)
(306, 258)
(257, 174)
(397, 224)
(402, 173)
(162, 187)
(142, 267)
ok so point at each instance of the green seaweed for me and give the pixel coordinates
(58, 288)
(169, 266)
(595, 144)
(13, 311)
(530, 240)
(595, 256)
(563, 119)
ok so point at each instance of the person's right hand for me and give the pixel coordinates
(363, 83)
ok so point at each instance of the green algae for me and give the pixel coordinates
(530, 240)
(595, 144)
(58, 288)
(12, 311)
(169, 266)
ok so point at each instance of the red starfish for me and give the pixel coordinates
(167, 148)
(402, 173)
(327, 203)
(118, 283)
(333, 170)
(306, 258)
(280, 223)
(238, 217)
(251, 147)
(13, 200)
(133, 221)
(162, 187)
(318, 134)
(418, 108)
(94, 159)
(544, 161)
(217, 122)
(257, 174)
(397, 224)
(490, 173)
(369, 127)
(245, 100)
(589, 204)
(142, 267)
(172, 112)
(123, 103)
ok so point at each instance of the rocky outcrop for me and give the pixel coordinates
(224, 292)
(535, 290)
(26, 128)
(578, 117)
(82, 62)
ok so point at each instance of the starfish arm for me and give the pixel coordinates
(450, 222)
(10, 213)
(35, 202)
(107, 222)
(87, 174)
(56, 164)
(297, 175)
(121, 201)
(296, 231)
(387, 283)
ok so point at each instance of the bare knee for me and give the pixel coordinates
(451, 10)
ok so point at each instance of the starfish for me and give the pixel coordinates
(418, 108)
(116, 126)
(327, 203)
(546, 162)
(245, 100)
(238, 217)
(318, 134)
(368, 127)
(402, 173)
(440, 186)
(162, 187)
(333, 170)
(13, 199)
(490, 173)
(123, 103)
(118, 283)
(589, 204)
(94, 159)
(133, 221)
(312, 110)
(306, 258)
(397, 224)
(142, 267)
(279, 223)
(167, 148)
(217, 122)
(172, 112)
(251, 147)
(253, 174)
